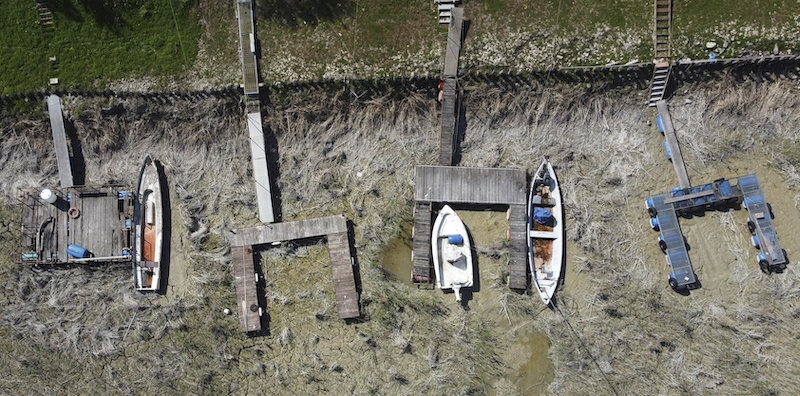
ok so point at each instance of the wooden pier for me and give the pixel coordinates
(474, 186)
(339, 247)
(450, 87)
(60, 141)
(674, 147)
(98, 224)
(244, 279)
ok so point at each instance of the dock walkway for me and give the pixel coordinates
(475, 186)
(450, 87)
(247, 46)
(339, 246)
(245, 281)
(60, 141)
(674, 147)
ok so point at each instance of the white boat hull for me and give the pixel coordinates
(452, 262)
(148, 229)
(545, 241)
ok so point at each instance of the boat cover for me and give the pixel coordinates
(542, 215)
(451, 253)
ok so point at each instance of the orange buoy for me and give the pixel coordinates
(74, 213)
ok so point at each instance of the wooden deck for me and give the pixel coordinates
(100, 228)
(244, 13)
(244, 279)
(480, 186)
(483, 186)
(421, 255)
(453, 42)
(674, 147)
(60, 141)
(518, 249)
(339, 246)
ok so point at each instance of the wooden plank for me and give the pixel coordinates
(245, 283)
(490, 186)
(421, 262)
(344, 282)
(518, 248)
(674, 147)
(60, 141)
(288, 230)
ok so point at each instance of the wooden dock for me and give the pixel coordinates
(663, 29)
(339, 246)
(247, 46)
(244, 279)
(672, 142)
(258, 155)
(475, 186)
(60, 141)
(450, 88)
(100, 226)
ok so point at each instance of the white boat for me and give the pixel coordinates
(148, 228)
(545, 231)
(452, 254)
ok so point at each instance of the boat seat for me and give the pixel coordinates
(543, 234)
(538, 200)
(148, 264)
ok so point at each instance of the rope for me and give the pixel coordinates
(179, 33)
(588, 352)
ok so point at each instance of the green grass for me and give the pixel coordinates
(96, 42)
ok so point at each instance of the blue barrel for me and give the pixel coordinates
(455, 239)
(660, 124)
(666, 147)
(654, 223)
(126, 252)
(77, 251)
(755, 242)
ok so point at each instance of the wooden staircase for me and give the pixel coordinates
(658, 85)
(446, 10)
(45, 16)
(663, 17)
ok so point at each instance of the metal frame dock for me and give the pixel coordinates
(339, 246)
(765, 237)
(470, 186)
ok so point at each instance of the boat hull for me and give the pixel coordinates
(452, 252)
(148, 228)
(545, 232)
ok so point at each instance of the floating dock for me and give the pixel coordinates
(471, 186)
(339, 247)
(765, 238)
(95, 219)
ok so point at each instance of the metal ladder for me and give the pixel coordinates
(445, 8)
(658, 85)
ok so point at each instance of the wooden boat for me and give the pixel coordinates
(545, 231)
(148, 228)
(452, 254)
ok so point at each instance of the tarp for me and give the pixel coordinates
(542, 215)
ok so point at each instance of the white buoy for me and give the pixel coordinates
(226, 311)
(48, 196)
